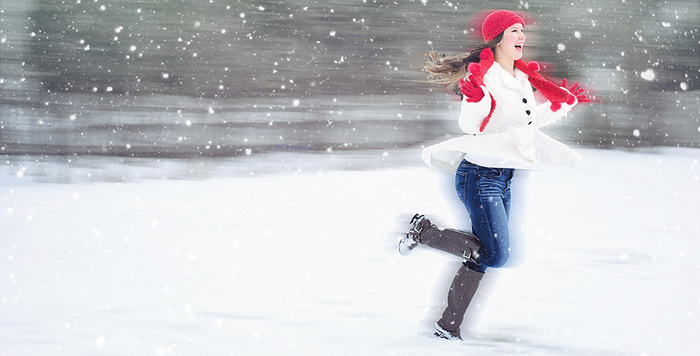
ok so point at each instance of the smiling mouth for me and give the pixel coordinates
(519, 46)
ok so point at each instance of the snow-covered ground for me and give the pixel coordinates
(289, 254)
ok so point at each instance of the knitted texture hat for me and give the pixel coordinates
(497, 22)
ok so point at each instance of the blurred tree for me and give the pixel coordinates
(107, 62)
(116, 46)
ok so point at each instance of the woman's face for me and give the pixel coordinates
(511, 46)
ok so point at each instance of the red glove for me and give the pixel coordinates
(577, 91)
(471, 90)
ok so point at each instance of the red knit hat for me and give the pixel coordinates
(497, 22)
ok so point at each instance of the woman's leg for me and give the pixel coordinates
(462, 290)
(486, 196)
(485, 193)
(458, 243)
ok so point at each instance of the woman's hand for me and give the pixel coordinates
(471, 90)
(577, 92)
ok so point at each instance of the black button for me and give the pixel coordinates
(529, 123)
(524, 100)
(527, 112)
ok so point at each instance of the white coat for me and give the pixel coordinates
(512, 138)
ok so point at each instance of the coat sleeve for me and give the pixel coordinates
(545, 116)
(472, 114)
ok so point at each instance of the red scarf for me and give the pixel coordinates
(552, 92)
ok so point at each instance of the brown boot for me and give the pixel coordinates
(458, 243)
(412, 237)
(461, 292)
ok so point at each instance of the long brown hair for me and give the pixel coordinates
(449, 70)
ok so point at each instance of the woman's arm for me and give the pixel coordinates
(549, 112)
(473, 113)
(477, 104)
(545, 115)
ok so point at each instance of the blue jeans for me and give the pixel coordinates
(485, 192)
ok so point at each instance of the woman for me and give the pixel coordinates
(501, 123)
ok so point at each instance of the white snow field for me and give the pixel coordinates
(296, 254)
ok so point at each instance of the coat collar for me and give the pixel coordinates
(508, 80)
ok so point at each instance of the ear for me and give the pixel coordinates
(534, 66)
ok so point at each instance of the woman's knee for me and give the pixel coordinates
(498, 258)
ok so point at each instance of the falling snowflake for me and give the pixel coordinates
(648, 75)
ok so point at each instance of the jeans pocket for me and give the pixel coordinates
(490, 172)
(461, 184)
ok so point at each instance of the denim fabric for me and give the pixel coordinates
(485, 192)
